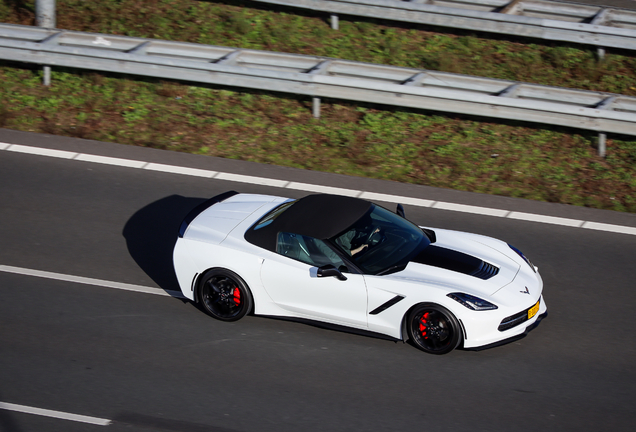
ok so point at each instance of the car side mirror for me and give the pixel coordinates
(400, 211)
(330, 270)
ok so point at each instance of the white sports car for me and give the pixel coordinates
(348, 262)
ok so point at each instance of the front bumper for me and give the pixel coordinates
(485, 332)
(510, 339)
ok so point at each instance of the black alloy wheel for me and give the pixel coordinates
(433, 329)
(224, 295)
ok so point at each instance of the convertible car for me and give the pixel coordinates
(348, 262)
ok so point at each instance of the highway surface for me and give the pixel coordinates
(145, 362)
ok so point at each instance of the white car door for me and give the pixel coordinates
(290, 278)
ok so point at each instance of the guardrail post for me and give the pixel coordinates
(601, 144)
(316, 107)
(45, 17)
(334, 21)
(600, 53)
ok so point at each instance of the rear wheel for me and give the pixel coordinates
(224, 295)
(433, 329)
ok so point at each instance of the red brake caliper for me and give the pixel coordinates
(237, 296)
(423, 325)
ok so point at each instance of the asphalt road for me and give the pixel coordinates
(157, 363)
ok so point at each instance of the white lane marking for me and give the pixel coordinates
(41, 151)
(55, 414)
(129, 163)
(321, 189)
(546, 219)
(608, 227)
(252, 180)
(180, 170)
(397, 199)
(90, 281)
(440, 205)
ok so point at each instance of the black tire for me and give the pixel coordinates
(224, 295)
(433, 329)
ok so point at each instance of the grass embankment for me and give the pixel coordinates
(411, 146)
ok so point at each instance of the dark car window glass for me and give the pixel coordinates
(381, 240)
(306, 249)
(269, 217)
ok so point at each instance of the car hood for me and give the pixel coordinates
(461, 261)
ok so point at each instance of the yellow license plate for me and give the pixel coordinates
(533, 310)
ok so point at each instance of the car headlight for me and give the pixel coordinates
(525, 258)
(472, 302)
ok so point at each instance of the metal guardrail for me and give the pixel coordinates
(549, 20)
(321, 77)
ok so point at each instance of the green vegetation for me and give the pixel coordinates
(404, 145)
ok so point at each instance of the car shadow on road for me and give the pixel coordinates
(151, 234)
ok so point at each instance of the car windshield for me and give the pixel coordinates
(381, 241)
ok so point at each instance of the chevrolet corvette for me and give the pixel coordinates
(348, 262)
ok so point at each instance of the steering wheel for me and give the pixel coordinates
(376, 236)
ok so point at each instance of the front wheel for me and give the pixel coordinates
(433, 329)
(224, 295)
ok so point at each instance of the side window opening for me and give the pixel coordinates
(309, 250)
(292, 246)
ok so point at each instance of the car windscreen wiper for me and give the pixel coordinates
(390, 269)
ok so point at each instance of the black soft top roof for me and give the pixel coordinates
(320, 216)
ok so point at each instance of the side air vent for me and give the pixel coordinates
(486, 271)
(386, 305)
